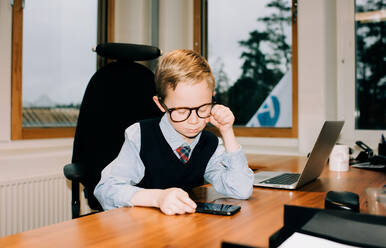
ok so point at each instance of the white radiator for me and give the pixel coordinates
(34, 202)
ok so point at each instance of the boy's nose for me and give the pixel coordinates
(193, 118)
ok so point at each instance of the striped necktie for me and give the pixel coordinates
(183, 151)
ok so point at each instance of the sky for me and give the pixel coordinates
(230, 21)
(57, 57)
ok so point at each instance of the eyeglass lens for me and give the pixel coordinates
(184, 113)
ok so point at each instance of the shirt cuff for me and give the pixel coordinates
(124, 198)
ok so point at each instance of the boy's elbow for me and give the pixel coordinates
(242, 189)
(241, 192)
(245, 193)
(99, 196)
(246, 190)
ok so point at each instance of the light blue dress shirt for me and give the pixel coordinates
(227, 172)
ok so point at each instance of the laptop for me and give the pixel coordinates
(314, 165)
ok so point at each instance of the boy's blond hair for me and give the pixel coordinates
(181, 65)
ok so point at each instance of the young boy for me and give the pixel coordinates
(163, 158)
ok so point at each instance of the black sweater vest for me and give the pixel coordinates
(163, 169)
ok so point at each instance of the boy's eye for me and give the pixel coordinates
(204, 109)
(181, 111)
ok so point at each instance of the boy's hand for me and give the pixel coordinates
(176, 201)
(222, 118)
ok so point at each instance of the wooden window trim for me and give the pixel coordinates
(199, 37)
(17, 130)
(16, 76)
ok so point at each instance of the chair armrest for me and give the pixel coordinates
(74, 171)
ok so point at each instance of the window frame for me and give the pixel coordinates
(18, 132)
(200, 46)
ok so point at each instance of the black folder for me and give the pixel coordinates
(346, 227)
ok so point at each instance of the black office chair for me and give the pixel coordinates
(118, 95)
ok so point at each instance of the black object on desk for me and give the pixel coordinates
(382, 146)
(366, 158)
(226, 244)
(382, 149)
(363, 230)
(342, 200)
(364, 155)
(365, 147)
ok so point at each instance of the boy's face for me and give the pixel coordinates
(190, 96)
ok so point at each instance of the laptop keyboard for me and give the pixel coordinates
(285, 179)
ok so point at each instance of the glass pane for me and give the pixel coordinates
(370, 20)
(57, 59)
(249, 49)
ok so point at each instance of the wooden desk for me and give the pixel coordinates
(260, 216)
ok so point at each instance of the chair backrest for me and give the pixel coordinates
(118, 95)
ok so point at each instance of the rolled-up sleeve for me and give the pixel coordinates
(118, 179)
(229, 173)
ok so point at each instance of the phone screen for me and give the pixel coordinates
(213, 208)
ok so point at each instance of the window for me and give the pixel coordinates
(52, 62)
(347, 71)
(253, 56)
(370, 33)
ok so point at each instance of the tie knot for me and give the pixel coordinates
(184, 152)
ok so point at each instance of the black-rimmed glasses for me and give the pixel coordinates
(181, 114)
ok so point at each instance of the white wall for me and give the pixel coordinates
(346, 67)
(132, 22)
(317, 73)
(175, 25)
(5, 69)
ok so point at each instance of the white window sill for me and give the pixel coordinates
(280, 146)
(29, 158)
(30, 147)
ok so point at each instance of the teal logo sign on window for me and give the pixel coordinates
(265, 117)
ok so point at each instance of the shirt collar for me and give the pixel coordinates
(173, 138)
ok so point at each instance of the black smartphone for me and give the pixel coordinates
(213, 208)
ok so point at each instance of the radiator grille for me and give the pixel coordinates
(34, 202)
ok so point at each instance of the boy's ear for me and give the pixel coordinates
(156, 100)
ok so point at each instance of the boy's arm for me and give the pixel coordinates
(170, 201)
(229, 173)
(228, 169)
(116, 186)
